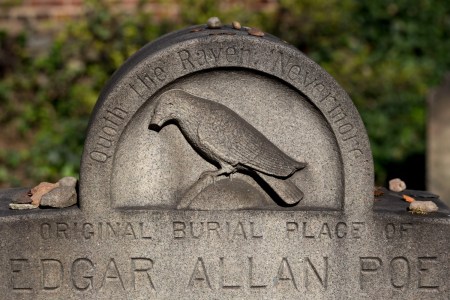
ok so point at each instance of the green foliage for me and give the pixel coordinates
(386, 55)
(45, 101)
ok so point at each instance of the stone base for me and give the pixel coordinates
(65, 254)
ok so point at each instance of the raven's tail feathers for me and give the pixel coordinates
(286, 190)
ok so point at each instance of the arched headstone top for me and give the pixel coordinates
(218, 119)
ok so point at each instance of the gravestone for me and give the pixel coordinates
(224, 164)
(438, 135)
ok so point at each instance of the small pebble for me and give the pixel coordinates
(60, 197)
(22, 198)
(236, 25)
(20, 206)
(41, 189)
(397, 185)
(255, 32)
(423, 207)
(68, 181)
(214, 23)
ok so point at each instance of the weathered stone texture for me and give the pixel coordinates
(438, 147)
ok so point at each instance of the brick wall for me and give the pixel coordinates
(41, 19)
(37, 13)
(42, 15)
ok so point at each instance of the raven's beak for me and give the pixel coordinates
(156, 122)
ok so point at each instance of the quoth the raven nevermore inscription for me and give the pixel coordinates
(222, 136)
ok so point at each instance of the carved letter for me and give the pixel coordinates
(357, 229)
(104, 142)
(98, 156)
(118, 112)
(199, 275)
(285, 273)
(142, 233)
(112, 274)
(52, 274)
(428, 273)
(253, 233)
(80, 280)
(294, 72)
(341, 230)
(216, 55)
(239, 231)
(213, 227)
(179, 230)
(61, 230)
(368, 266)
(231, 54)
(142, 265)
(291, 227)
(251, 276)
(185, 58)
(160, 74)
(88, 231)
(222, 277)
(400, 272)
(323, 280)
(201, 57)
(45, 231)
(129, 230)
(201, 231)
(20, 279)
(325, 231)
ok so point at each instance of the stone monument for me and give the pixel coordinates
(222, 163)
(438, 146)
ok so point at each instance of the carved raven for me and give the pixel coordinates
(224, 137)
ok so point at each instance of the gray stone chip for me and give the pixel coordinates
(68, 181)
(20, 206)
(60, 197)
(22, 198)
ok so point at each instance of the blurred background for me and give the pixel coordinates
(390, 56)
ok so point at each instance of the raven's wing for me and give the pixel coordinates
(234, 140)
